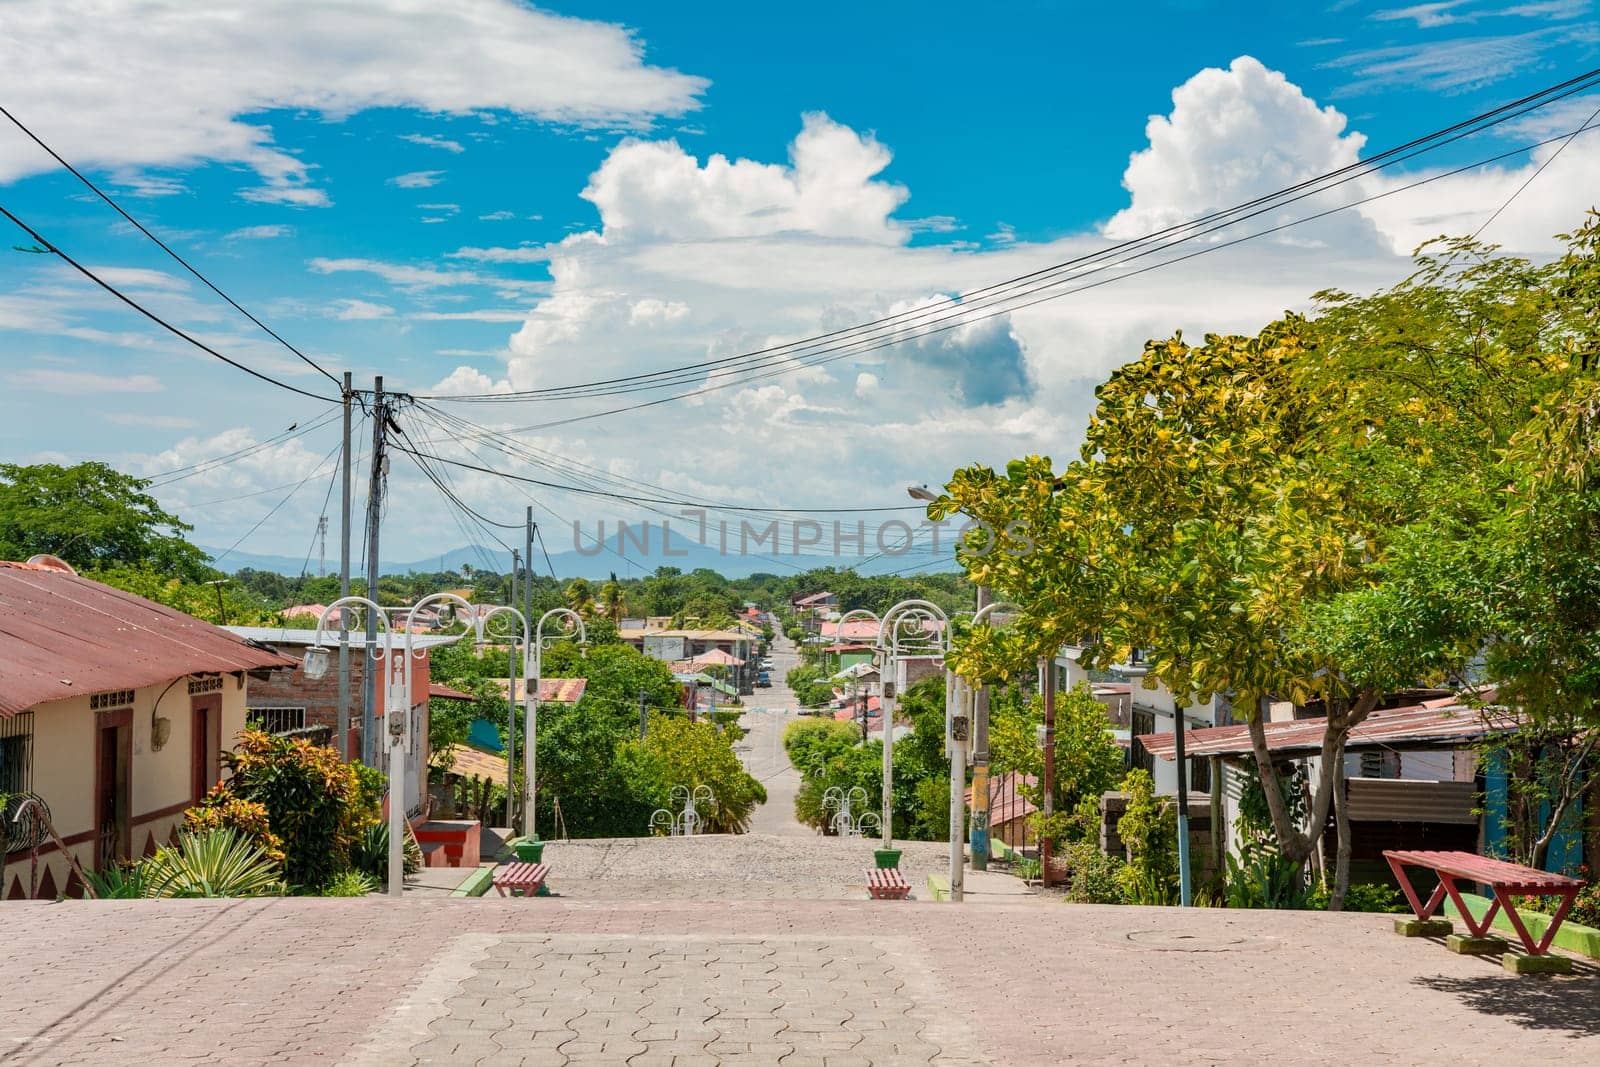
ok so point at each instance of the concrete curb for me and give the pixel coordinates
(938, 887)
(1574, 937)
(476, 885)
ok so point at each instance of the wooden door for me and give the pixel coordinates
(205, 743)
(113, 786)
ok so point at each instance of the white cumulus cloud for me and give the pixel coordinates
(162, 84)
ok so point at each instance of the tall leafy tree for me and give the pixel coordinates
(92, 516)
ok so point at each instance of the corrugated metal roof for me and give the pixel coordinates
(472, 762)
(279, 635)
(1418, 724)
(63, 635)
(439, 689)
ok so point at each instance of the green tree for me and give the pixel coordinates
(91, 516)
(1088, 760)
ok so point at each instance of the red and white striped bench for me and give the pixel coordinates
(522, 879)
(887, 883)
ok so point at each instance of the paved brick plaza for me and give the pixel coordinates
(804, 982)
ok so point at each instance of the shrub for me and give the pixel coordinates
(317, 805)
(222, 809)
(1092, 876)
(1364, 896)
(370, 856)
(214, 863)
(119, 881)
(1149, 829)
(1261, 878)
(350, 884)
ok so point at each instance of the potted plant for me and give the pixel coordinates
(886, 858)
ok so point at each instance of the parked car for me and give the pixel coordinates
(763, 680)
(766, 665)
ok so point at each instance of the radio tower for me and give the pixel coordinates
(322, 547)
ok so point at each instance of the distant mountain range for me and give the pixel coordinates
(596, 563)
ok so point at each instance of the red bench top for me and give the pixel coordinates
(1484, 869)
(522, 874)
(886, 877)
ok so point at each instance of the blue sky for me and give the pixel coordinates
(498, 195)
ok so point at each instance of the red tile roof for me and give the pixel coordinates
(63, 635)
(1432, 722)
(439, 689)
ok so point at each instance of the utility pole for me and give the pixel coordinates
(980, 765)
(956, 693)
(344, 583)
(1047, 841)
(1183, 805)
(644, 716)
(511, 708)
(322, 546)
(369, 672)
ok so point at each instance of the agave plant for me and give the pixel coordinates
(119, 881)
(215, 863)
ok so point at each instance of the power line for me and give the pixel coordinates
(1534, 176)
(1035, 300)
(513, 448)
(987, 295)
(201, 466)
(152, 316)
(101, 193)
(286, 498)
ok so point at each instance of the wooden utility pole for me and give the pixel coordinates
(344, 580)
(369, 671)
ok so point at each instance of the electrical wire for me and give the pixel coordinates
(101, 193)
(1206, 250)
(199, 466)
(1534, 176)
(965, 301)
(513, 448)
(286, 498)
(41, 240)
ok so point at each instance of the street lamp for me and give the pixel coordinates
(855, 682)
(396, 703)
(904, 631)
(530, 742)
(482, 630)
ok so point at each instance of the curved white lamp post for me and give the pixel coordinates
(838, 638)
(530, 725)
(901, 633)
(396, 702)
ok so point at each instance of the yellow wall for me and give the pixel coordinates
(64, 768)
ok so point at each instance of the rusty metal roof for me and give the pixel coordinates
(444, 692)
(551, 690)
(63, 635)
(1429, 723)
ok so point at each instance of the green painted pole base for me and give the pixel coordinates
(1522, 963)
(1423, 927)
(1474, 946)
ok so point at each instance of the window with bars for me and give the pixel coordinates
(276, 720)
(16, 753)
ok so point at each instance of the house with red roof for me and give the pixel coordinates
(114, 715)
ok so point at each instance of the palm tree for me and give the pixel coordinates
(611, 598)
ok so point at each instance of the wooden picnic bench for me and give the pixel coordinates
(887, 883)
(522, 879)
(1505, 880)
